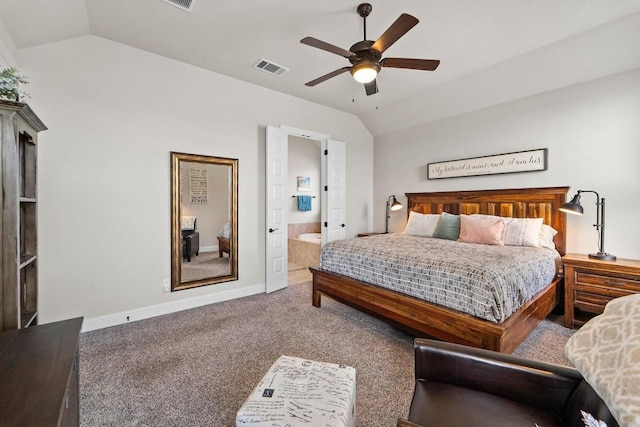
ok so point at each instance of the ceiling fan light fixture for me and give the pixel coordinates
(365, 56)
(365, 72)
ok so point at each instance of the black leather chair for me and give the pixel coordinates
(458, 385)
(190, 242)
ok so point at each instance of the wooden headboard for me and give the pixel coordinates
(514, 203)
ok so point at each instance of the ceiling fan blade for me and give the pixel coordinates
(327, 76)
(326, 46)
(371, 87)
(398, 29)
(414, 64)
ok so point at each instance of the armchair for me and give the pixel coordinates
(458, 385)
(190, 237)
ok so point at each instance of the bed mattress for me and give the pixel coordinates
(486, 281)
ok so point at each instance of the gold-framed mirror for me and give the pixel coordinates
(204, 220)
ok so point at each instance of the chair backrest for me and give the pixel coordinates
(584, 398)
(503, 376)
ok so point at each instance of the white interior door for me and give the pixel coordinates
(276, 226)
(334, 197)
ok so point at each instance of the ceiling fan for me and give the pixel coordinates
(365, 56)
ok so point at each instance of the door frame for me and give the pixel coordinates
(274, 282)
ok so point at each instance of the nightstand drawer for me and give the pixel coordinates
(606, 291)
(591, 302)
(617, 282)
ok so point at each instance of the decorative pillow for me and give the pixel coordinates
(487, 231)
(421, 224)
(545, 238)
(225, 231)
(448, 227)
(606, 351)
(187, 222)
(522, 231)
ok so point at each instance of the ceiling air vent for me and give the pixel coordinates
(182, 4)
(270, 67)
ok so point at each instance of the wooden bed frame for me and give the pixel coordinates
(421, 318)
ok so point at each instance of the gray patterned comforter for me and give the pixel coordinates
(489, 282)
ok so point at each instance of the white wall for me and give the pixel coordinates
(7, 48)
(592, 131)
(304, 160)
(114, 113)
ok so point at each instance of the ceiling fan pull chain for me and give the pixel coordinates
(353, 91)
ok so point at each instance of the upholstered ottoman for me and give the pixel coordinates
(300, 392)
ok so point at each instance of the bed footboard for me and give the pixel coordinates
(424, 319)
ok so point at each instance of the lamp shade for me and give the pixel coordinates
(574, 206)
(365, 72)
(395, 204)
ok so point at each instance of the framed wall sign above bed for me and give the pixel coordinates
(521, 161)
(491, 315)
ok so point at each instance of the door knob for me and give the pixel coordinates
(271, 230)
(342, 225)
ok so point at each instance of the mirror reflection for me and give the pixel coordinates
(204, 220)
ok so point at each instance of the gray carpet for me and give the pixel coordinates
(206, 264)
(196, 367)
(546, 342)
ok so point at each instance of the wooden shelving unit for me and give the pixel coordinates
(19, 127)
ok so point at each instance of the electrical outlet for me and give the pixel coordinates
(166, 285)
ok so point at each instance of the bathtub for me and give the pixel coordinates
(311, 237)
(304, 250)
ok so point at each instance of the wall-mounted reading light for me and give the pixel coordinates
(392, 205)
(574, 207)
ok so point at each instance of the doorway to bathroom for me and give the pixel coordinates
(280, 198)
(304, 231)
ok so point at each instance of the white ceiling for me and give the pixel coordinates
(491, 51)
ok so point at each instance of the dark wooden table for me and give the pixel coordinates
(39, 375)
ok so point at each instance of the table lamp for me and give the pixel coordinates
(392, 205)
(574, 207)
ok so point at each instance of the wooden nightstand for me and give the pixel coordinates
(589, 284)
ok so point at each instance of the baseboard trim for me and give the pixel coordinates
(100, 322)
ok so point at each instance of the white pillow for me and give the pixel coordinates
(421, 224)
(522, 231)
(545, 239)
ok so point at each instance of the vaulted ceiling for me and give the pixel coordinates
(491, 51)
